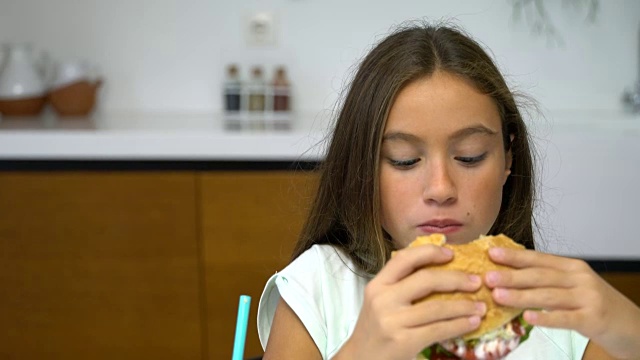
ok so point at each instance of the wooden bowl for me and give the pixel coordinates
(76, 99)
(22, 107)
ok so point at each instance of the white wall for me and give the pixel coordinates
(169, 55)
(588, 189)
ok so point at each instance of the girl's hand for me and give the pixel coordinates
(571, 295)
(390, 326)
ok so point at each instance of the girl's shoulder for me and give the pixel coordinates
(320, 254)
(323, 260)
(323, 287)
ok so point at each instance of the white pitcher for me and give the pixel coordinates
(21, 75)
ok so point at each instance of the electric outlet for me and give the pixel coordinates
(261, 29)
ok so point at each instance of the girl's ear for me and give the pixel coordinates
(508, 160)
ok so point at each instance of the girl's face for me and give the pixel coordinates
(443, 163)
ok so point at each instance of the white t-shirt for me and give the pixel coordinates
(322, 288)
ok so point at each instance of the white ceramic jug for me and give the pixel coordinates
(21, 76)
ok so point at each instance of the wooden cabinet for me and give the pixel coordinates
(130, 265)
(99, 266)
(250, 222)
(146, 265)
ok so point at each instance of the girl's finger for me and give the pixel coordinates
(541, 298)
(564, 319)
(424, 336)
(428, 312)
(528, 278)
(530, 258)
(407, 260)
(426, 281)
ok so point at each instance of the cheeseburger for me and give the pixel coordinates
(502, 329)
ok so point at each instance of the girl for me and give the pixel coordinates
(430, 139)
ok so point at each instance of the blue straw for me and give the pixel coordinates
(241, 327)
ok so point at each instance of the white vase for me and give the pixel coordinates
(20, 75)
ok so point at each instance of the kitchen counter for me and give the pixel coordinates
(194, 137)
(151, 137)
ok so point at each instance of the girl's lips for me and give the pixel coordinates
(447, 229)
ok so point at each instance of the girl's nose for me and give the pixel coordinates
(439, 187)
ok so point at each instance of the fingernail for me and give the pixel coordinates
(475, 279)
(447, 251)
(501, 293)
(474, 320)
(530, 316)
(496, 253)
(493, 277)
(481, 308)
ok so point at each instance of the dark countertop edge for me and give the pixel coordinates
(157, 165)
(614, 265)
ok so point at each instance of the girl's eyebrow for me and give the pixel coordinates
(401, 136)
(472, 130)
(456, 136)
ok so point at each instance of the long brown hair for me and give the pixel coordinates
(346, 210)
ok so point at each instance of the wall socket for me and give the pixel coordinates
(261, 29)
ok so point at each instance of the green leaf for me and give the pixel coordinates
(527, 328)
(426, 352)
(435, 349)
